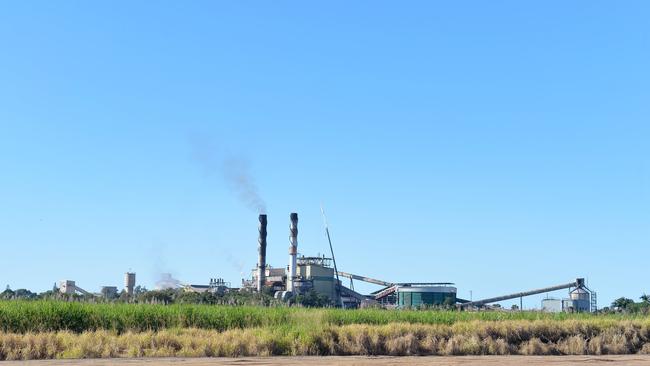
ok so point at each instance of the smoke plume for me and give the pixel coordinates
(234, 170)
(167, 281)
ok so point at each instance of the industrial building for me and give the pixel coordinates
(417, 295)
(109, 292)
(70, 287)
(580, 300)
(320, 274)
(306, 274)
(216, 286)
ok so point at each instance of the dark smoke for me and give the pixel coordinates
(234, 170)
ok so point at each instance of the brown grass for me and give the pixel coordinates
(542, 337)
(468, 338)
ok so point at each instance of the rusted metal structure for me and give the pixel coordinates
(261, 262)
(293, 250)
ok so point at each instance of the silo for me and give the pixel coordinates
(129, 282)
(67, 287)
(581, 299)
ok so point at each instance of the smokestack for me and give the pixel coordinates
(261, 263)
(293, 250)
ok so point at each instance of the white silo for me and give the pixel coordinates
(581, 299)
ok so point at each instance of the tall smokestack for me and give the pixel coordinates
(293, 250)
(261, 263)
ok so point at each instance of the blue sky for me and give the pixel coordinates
(501, 145)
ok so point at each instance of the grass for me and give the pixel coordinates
(44, 316)
(44, 330)
(523, 337)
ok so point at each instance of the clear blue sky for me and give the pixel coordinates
(499, 145)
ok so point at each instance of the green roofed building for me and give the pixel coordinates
(416, 295)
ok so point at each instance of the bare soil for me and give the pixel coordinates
(618, 360)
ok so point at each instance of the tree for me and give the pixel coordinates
(7, 294)
(159, 296)
(623, 303)
(645, 298)
(25, 294)
(139, 290)
(313, 299)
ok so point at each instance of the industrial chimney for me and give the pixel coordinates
(261, 263)
(293, 250)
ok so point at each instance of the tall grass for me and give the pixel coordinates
(39, 330)
(21, 317)
(510, 337)
(43, 316)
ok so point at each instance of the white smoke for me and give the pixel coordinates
(167, 281)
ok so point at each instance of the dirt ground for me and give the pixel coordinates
(627, 360)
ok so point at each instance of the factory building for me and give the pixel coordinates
(580, 300)
(316, 273)
(67, 287)
(304, 274)
(416, 295)
(108, 292)
(216, 286)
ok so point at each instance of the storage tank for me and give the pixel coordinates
(581, 300)
(129, 282)
(552, 305)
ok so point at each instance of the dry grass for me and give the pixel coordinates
(540, 337)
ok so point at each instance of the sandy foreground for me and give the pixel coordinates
(626, 360)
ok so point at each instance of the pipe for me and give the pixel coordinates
(261, 263)
(293, 250)
(578, 283)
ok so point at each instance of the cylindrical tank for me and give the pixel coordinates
(261, 265)
(581, 299)
(129, 282)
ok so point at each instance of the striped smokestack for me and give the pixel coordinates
(293, 250)
(261, 263)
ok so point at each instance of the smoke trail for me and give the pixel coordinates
(234, 170)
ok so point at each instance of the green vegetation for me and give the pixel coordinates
(43, 316)
(58, 329)
(537, 337)
(144, 296)
(626, 305)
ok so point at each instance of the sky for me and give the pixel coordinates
(502, 145)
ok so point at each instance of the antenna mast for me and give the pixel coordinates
(336, 271)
